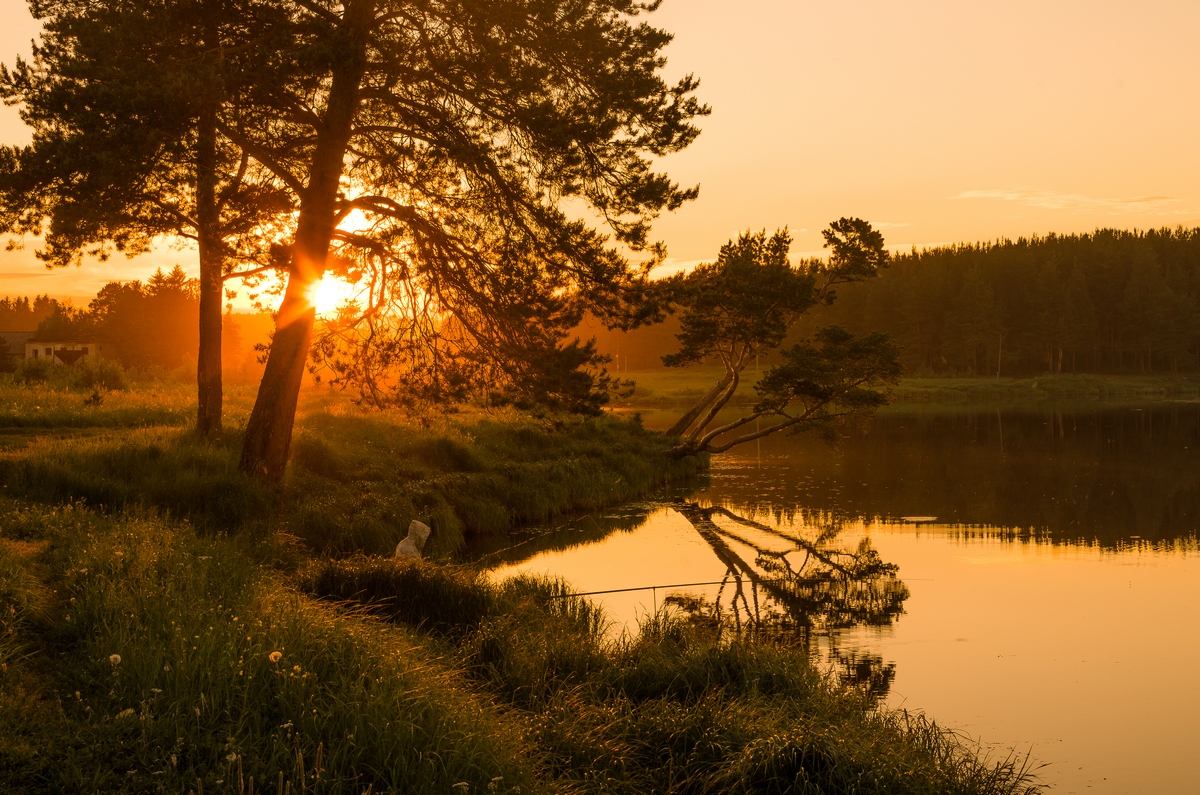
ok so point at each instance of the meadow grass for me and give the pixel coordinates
(675, 388)
(40, 406)
(170, 662)
(356, 480)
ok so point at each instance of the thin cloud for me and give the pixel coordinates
(1050, 200)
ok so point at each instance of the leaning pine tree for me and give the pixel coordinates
(744, 304)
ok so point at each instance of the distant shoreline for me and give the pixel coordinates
(663, 389)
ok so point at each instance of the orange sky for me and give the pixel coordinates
(937, 121)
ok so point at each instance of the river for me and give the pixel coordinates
(1029, 578)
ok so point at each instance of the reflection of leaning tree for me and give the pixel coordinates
(798, 588)
(809, 585)
(745, 304)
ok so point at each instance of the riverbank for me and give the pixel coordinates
(168, 626)
(355, 482)
(657, 389)
(139, 657)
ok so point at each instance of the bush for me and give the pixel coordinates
(98, 374)
(33, 371)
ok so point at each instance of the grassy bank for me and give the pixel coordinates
(355, 482)
(167, 625)
(663, 389)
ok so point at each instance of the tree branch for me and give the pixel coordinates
(264, 157)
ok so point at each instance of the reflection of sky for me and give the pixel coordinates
(1084, 656)
(663, 551)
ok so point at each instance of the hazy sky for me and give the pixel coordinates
(937, 121)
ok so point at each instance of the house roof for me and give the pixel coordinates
(62, 342)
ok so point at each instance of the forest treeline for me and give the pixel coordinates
(151, 325)
(1107, 302)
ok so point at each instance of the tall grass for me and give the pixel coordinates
(43, 407)
(183, 665)
(357, 481)
(164, 468)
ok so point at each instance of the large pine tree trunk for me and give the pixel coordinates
(208, 359)
(269, 430)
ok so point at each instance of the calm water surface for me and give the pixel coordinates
(1045, 593)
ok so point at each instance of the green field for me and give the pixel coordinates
(673, 388)
(167, 625)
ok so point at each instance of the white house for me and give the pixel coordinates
(65, 352)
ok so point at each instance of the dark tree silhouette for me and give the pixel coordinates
(22, 314)
(431, 144)
(123, 101)
(744, 304)
(1106, 302)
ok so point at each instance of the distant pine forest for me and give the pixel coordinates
(1107, 302)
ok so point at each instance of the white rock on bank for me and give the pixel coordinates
(414, 542)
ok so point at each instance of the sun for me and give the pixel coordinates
(331, 293)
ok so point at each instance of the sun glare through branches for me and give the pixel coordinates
(332, 293)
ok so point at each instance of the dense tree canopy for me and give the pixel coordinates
(432, 148)
(22, 314)
(431, 151)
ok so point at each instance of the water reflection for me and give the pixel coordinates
(1056, 532)
(779, 582)
(789, 582)
(1115, 476)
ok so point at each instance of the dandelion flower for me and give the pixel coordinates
(115, 659)
(275, 656)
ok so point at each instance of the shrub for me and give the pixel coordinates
(98, 374)
(33, 371)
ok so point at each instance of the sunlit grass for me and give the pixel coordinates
(356, 480)
(224, 674)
